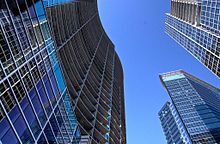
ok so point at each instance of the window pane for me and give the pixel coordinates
(9, 138)
(23, 131)
(32, 121)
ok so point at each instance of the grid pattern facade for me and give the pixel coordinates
(195, 26)
(172, 125)
(92, 70)
(198, 105)
(210, 15)
(35, 105)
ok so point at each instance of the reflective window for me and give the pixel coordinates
(56, 129)
(22, 131)
(49, 90)
(44, 97)
(42, 140)
(54, 84)
(9, 138)
(35, 23)
(4, 126)
(49, 134)
(32, 121)
(5, 55)
(10, 31)
(39, 110)
(14, 114)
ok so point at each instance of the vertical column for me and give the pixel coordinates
(198, 17)
(177, 10)
(171, 8)
(190, 12)
(184, 11)
(194, 14)
(187, 12)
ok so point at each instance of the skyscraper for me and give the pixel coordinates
(172, 125)
(92, 70)
(195, 25)
(197, 104)
(61, 79)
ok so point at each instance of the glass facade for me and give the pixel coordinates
(172, 125)
(61, 80)
(198, 105)
(195, 25)
(34, 101)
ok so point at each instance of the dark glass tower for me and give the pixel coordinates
(195, 25)
(197, 104)
(61, 79)
(172, 125)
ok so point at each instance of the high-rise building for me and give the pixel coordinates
(195, 25)
(61, 80)
(197, 104)
(172, 125)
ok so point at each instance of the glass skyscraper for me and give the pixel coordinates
(195, 25)
(172, 125)
(61, 79)
(197, 104)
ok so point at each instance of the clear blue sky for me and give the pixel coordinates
(136, 27)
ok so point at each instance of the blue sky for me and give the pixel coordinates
(137, 30)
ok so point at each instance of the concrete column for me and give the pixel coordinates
(178, 14)
(184, 11)
(172, 8)
(187, 12)
(194, 14)
(199, 7)
(190, 12)
(175, 9)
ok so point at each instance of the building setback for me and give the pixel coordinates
(197, 104)
(195, 25)
(172, 125)
(61, 79)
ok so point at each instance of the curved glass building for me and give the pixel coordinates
(61, 79)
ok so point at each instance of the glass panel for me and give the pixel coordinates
(40, 10)
(10, 31)
(39, 110)
(5, 55)
(9, 138)
(54, 83)
(35, 23)
(23, 131)
(20, 28)
(4, 126)
(32, 121)
(56, 129)
(14, 114)
(49, 90)
(41, 140)
(44, 97)
(49, 134)
(8, 100)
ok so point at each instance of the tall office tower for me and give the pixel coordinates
(61, 79)
(172, 125)
(195, 25)
(197, 104)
